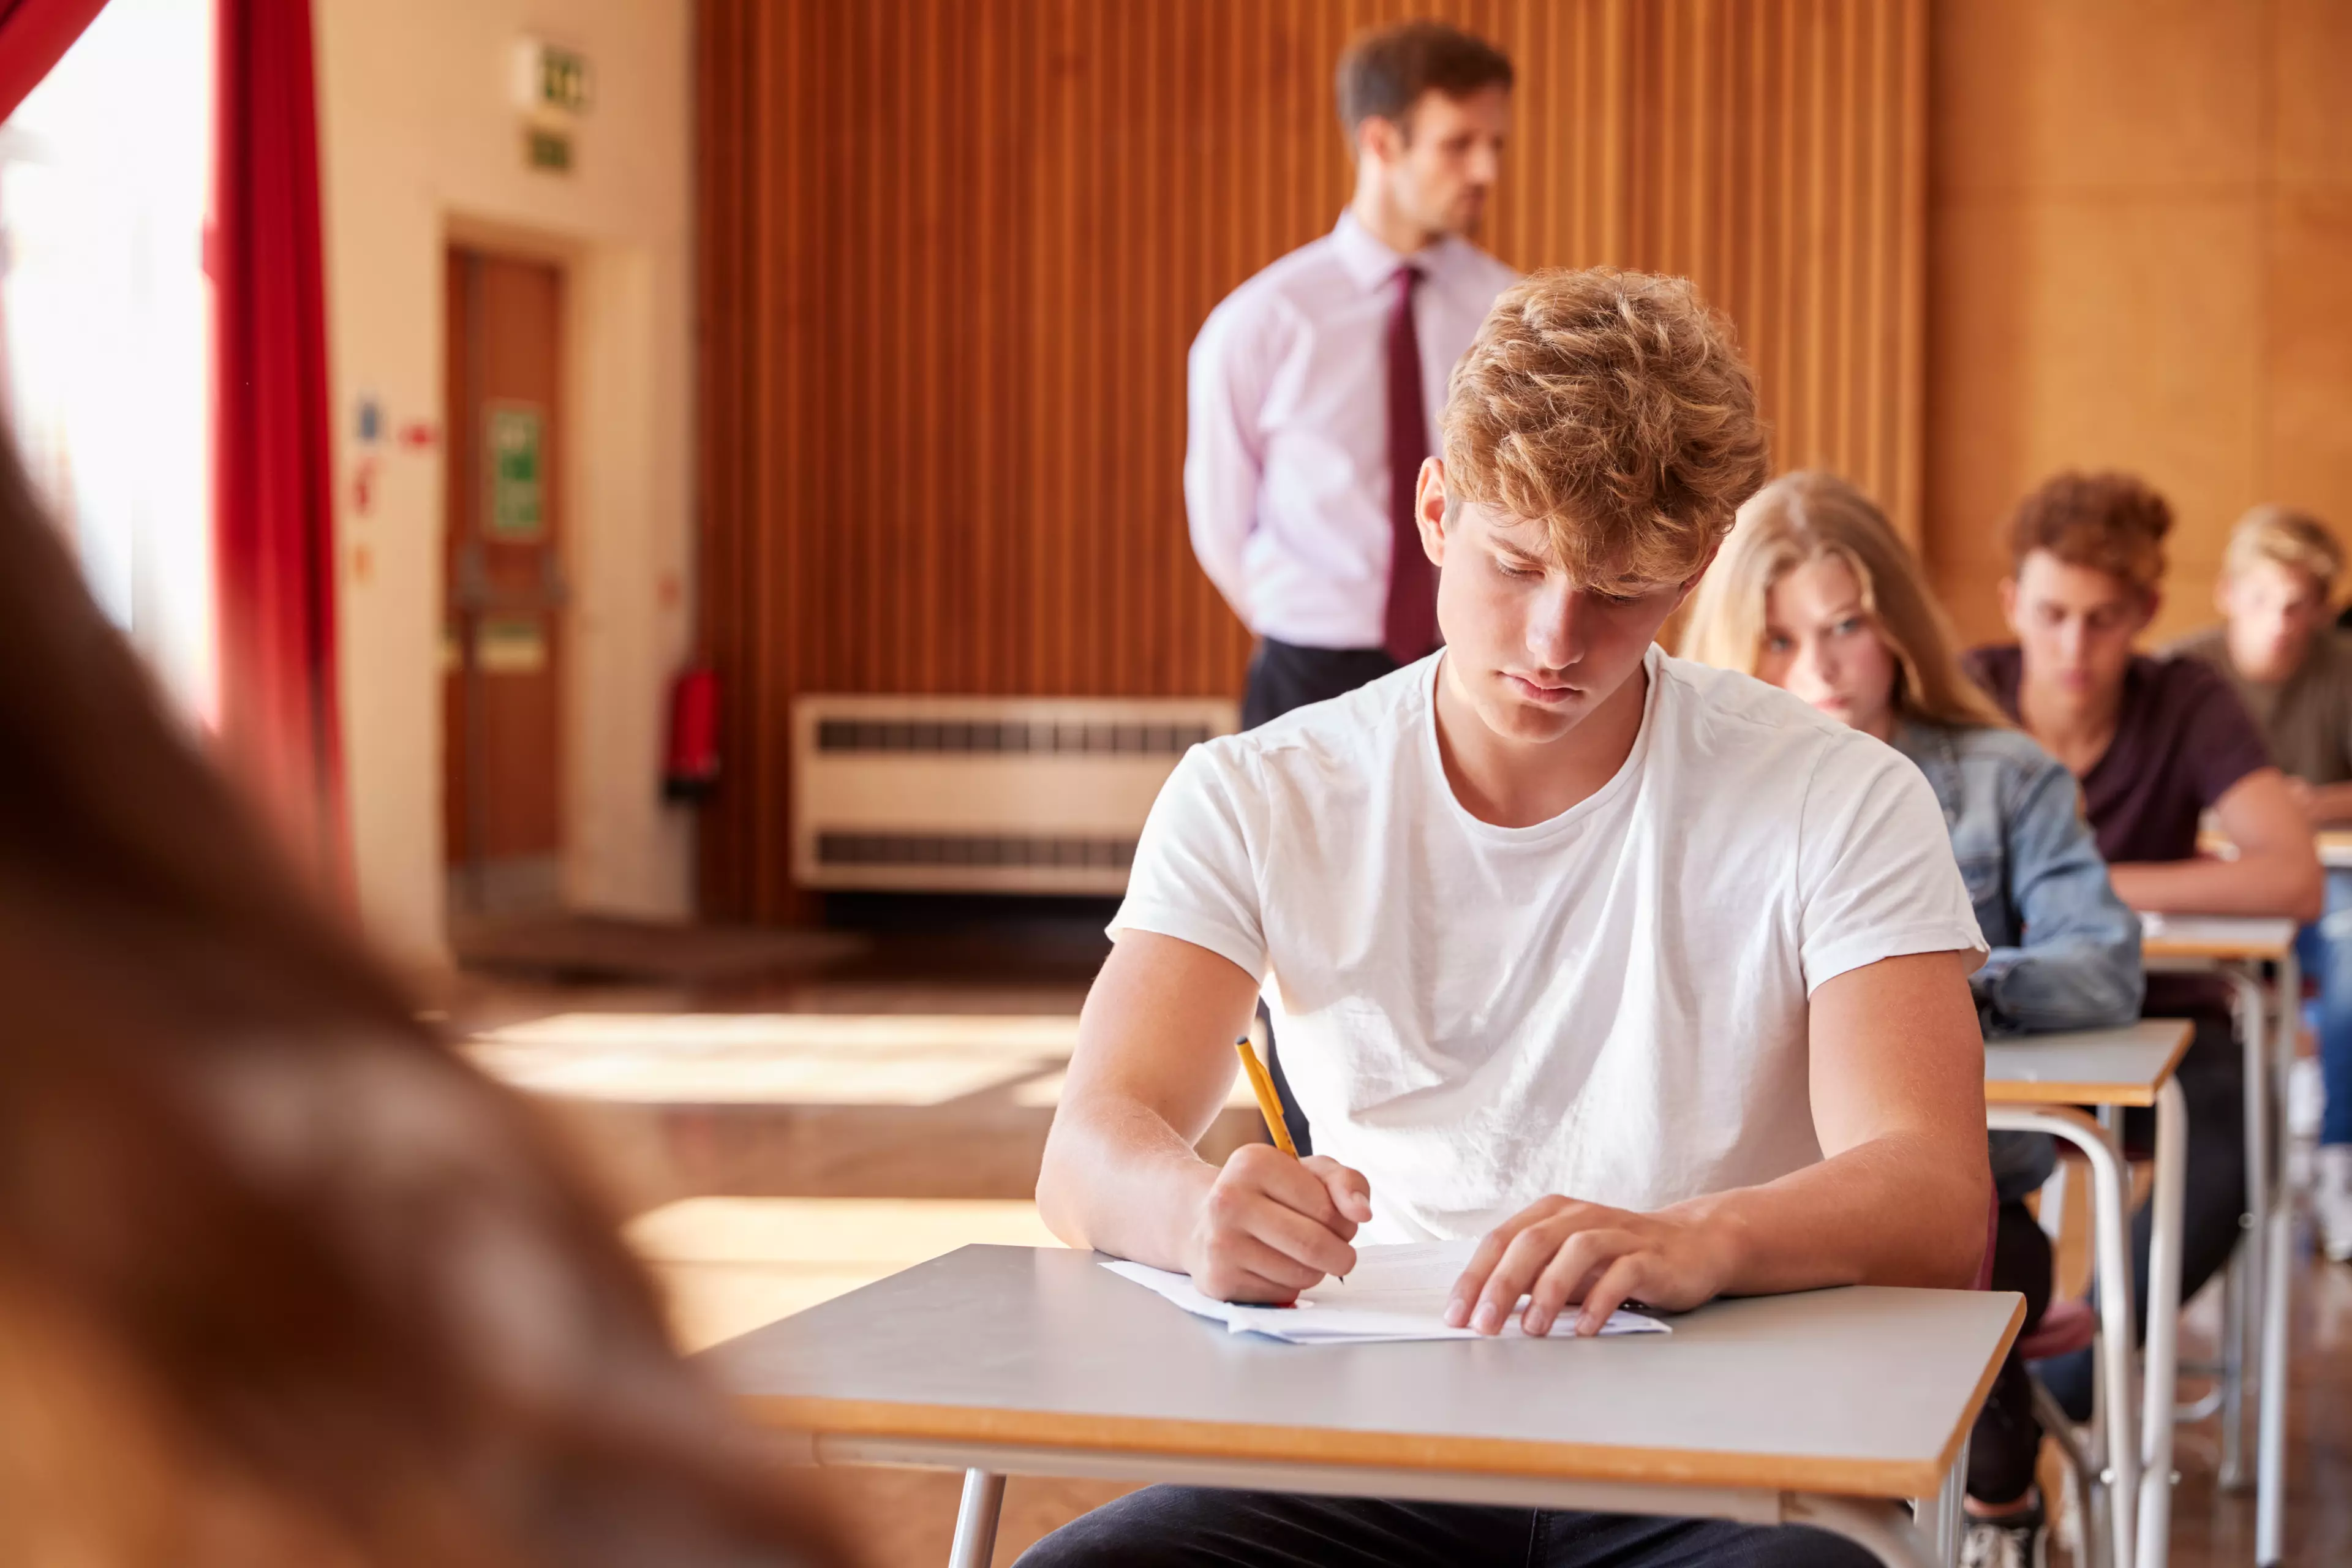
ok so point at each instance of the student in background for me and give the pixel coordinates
(2157, 744)
(1647, 976)
(1815, 593)
(1314, 387)
(2293, 672)
(283, 1281)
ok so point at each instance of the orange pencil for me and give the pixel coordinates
(1270, 1104)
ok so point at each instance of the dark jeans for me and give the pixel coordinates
(1198, 1527)
(2213, 1078)
(2008, 1437)
(2325, 951)
(1282, 677)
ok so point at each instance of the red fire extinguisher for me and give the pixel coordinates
(691, 771)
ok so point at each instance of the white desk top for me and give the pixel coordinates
(2086, 1067)
(1865, 1391)
(2216, 936)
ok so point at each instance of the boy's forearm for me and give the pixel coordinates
(2270, 885)
(1898, 1210)
(1118, 1178)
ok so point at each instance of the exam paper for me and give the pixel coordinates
(1398, 1291)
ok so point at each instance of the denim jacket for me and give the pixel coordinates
(2065, 949)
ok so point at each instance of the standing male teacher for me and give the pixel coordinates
(1314, 387)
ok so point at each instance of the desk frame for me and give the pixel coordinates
(1842, 1478)
(2139, 1474)
(2261, 1292)
(1884, 1528)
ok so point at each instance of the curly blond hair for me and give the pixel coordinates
(1613, 407)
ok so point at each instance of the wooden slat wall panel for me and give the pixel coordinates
(953, 252)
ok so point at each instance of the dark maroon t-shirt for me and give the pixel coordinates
(2182, 740)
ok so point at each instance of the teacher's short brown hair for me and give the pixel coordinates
(1384, 72)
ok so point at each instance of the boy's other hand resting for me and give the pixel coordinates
(1557, 1252)
(1268, 1226)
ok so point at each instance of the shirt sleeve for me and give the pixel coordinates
(1224, 450)
(1876, 877)
(2220, 744)
(1193, 877)
(2078, 965)
(2338, 714)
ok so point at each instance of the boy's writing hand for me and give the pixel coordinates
(1270, 1226)
(1557, 1250)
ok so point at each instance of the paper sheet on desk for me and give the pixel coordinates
(1397, 1292)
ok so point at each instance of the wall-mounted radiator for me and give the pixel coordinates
(1026, 794)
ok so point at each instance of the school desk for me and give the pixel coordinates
(2034, 1084)
(1825, 1408)
(2237, 947)
(2333, 845)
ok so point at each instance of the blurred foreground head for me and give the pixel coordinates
(282, 1280)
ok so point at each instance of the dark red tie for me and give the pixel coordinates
(1409, 630)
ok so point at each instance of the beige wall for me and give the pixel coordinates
(420, 144)
(2140, 254)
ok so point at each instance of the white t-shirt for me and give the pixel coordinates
(1610, 1005)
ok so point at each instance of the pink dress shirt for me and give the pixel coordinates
(1285, 460)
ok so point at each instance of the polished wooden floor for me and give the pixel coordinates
(777, 1141)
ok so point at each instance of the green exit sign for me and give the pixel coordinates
(562, 79)
(551, 78)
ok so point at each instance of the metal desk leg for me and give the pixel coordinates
(2237, 1366)
(2111, 1253)
(1939, 1521)
(975, 1531)
(2254, 1037)
(1880, 1529)
(2269, 1458)
(1952, 1509)
(2163, 1328)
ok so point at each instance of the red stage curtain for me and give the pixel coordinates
(273, 516)
(34, 35)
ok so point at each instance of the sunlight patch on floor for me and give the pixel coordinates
(731, 1265)
(798, 1058)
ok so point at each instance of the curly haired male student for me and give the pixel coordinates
(1645, 973)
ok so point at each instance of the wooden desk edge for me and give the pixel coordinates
(1952, 1444)
(2060, 1091)
(824, 1418)
(2219, 951)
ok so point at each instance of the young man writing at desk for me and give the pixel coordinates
(1646, 973)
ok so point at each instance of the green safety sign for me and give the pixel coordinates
(518, 471)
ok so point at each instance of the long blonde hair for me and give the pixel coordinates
(1807, 516)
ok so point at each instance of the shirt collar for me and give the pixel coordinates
(1372, 264)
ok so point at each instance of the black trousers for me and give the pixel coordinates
(2213, 1078)
(2008, 1437)
(1199, 1526)
(1282, 677)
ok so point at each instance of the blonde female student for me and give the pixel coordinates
(1815, 593)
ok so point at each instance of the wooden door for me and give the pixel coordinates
(503, 641)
